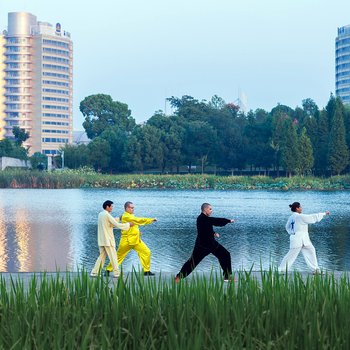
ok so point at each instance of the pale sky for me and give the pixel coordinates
(142, 51)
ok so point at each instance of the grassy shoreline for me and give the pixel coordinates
(88, 179)
(274, 312)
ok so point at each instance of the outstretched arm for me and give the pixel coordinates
(220, 221)
(313, 218)
(141, 221)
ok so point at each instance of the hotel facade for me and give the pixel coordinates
(342, 64)
(36, 83)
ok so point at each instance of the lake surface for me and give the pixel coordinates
(45, 230)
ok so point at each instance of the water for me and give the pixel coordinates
(45, 230)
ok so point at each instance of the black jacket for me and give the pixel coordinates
(205, 237)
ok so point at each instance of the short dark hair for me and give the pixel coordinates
(294, 206)
(204, 206)
(107, 204)
(127, 204)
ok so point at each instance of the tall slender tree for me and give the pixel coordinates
(338, 153)
(321, 148)
(306, 158)
(330, 109)
(290, 150)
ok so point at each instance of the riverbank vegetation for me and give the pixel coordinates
(271, 312)
(85, 178)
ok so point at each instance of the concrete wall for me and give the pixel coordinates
(13, 162)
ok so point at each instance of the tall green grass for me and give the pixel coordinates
(14, 178)
(272, 312)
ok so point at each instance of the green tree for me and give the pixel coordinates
(38, 161)
(116, 138)
(101, 113)
(20, 135)
(171, 135)
(321, 148)
(278, 138)
(290, 149)
(144, 149)
(199, 138)
(330, 110)
(99, 154)
(132, 153)
(189, 108)
(338, 153)
(217, 102)
(306, 158)
(347, 123)
(76, 156)
(258, 133)
(152, 152)
(310, 124)
(310, 108)
(9, 148)
(6, 148)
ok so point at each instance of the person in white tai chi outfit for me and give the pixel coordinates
(297, 227)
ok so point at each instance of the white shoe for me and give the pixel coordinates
(93, 274)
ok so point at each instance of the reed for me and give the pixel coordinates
(272, 312)
(15, 178)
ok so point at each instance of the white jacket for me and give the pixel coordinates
(297, 227)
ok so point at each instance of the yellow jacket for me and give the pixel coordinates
(133, 234)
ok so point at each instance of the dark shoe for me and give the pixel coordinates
(148, 273)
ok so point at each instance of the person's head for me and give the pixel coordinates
(108, 205)
(206, 209)
(295, 207)
(129, 207)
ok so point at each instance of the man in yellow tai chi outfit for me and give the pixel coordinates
(131, 239)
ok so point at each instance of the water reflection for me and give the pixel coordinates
(22, 237)
(45, 230)
(3, 241)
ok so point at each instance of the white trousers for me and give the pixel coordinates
(112, 255)
(309, 253)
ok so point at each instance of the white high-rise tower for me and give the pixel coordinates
(342, 64)
(36, 76)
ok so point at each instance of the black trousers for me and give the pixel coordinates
(199, 253)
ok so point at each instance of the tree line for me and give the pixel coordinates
(212, 135)
(304, 140)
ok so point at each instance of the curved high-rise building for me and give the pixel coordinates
(342, 64)
(36, 68)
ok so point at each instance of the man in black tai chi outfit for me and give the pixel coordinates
(206, 244)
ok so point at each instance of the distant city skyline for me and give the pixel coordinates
(141, 52)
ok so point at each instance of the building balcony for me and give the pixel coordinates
(21, 110)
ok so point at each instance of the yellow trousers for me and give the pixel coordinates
(141, 249)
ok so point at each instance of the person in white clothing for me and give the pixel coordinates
(106, 240)
(297, 227)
